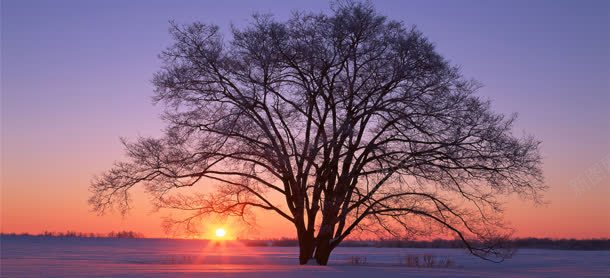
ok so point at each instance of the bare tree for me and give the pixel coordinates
(353, 119)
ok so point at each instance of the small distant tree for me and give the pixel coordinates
(353, 119)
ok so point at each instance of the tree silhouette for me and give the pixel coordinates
(353, 119)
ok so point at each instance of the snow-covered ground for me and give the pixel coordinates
(57, 257)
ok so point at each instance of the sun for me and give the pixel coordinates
(220, 233)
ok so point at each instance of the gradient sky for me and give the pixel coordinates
(76, 77)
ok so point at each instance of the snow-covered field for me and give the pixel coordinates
(57, 257)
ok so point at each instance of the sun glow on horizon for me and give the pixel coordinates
(220, 233)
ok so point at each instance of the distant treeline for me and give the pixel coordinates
(534, 243)
(563, 244)
(73, 234)
(287, 242)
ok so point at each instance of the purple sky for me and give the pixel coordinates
(76, 77)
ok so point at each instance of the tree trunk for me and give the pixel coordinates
(323, 250)
(323, 244)
(306, 247)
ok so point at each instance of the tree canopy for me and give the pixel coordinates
(354, 119)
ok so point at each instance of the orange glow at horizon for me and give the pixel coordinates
(23, 209)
